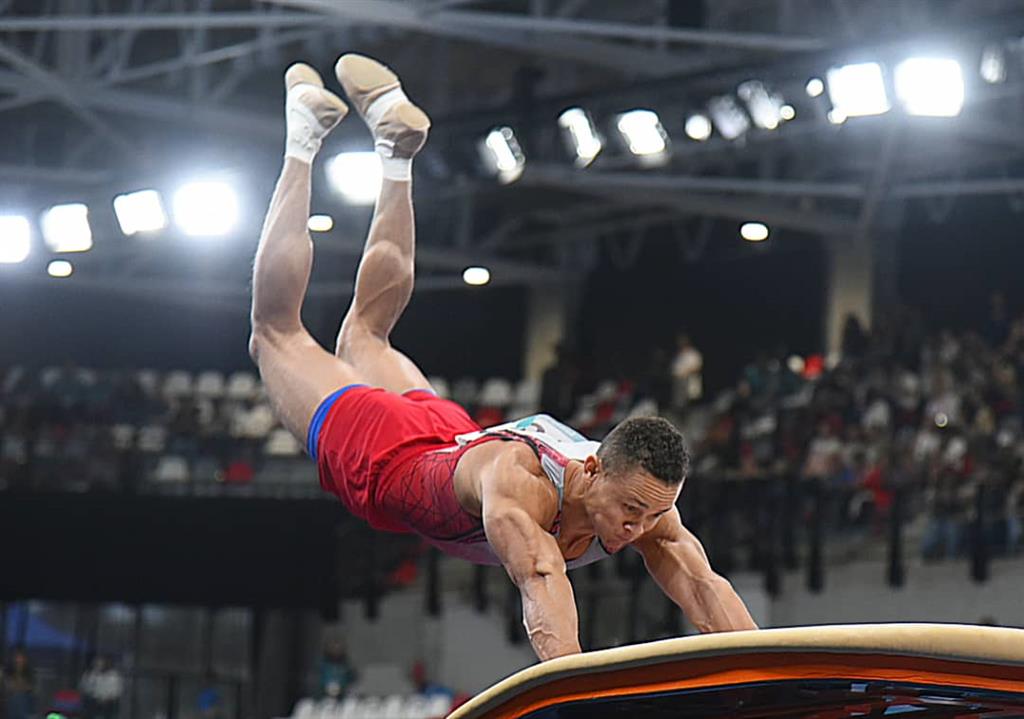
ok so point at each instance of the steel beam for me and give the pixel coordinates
(160, 21)
(623, 58)
(63, 92)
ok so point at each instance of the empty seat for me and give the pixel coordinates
(123, 436)
(177, 384)
(210, 384)
(149, 381)
(440, 385)
(152, 438)
(281, 443)
(242, 385)
(495, 393)
(171, 468)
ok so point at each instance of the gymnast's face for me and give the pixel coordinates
(624, 506)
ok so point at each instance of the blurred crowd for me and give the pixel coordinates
(939, 414)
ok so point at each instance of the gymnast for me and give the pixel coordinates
(533, 495)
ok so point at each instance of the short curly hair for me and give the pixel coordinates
(650, 443)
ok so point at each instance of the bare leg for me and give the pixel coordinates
(384, 284)
(384, 281)
(297, 372)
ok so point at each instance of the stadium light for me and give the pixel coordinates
(698, 127)
(729, 118)
(59, 268)
(320, 223)
(579, 126)
(763, 105)
(993, 64)
(858, 90)
(787, 112)
(15, 239)
(932, 87)
(815, 87)
(754, 232)
(502, 154)
(141, 211)
(643, 132)
(356, 176)
(66, 228)
(207, 208)
(476, 276)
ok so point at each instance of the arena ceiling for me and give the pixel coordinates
(103, 94)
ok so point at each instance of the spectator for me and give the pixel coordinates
(687, 378)
(19, 686)
(336, 674)
(426, 687)
(102, 685)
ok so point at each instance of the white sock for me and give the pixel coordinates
(395, 168)
(304, 131)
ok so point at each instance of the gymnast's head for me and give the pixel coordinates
(634, 479)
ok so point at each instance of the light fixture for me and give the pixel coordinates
(754, 231)
(787, 112)
(66, 228)
(59, 268)
(815, 86)
(763, 105)
(698, 127)
(476, 276)
(582, 134)
(836, 117)
(643, 132)
(356, 176)
(502, 154)
(858, 90)
(15, 239)
(206, 208)
(141, 211)
(993, 64)
(729, 118)
(320, 223)
(930, 86)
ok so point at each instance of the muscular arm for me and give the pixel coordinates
(677, 562)
(513, 510)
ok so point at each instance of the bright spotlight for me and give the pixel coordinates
(754, 232)
(729, 118)
(858, 90)
(15, 239)
(930, 86)
(60, 268)
(206, 209)
(836, 117)
(698, 127)
(66, 228)
(141, 211)
(476, 276)
(356, 176)
(579, 126)
(643, 132)
(815, 86)
(502, 154)
(787, 112)
(764, 106)
(320, 223)
(993, 64)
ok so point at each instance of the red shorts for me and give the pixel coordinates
(366, 442)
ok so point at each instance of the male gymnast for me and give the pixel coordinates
(534, 495)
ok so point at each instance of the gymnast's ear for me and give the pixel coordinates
(592, 465)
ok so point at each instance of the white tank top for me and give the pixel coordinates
(556, 445)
